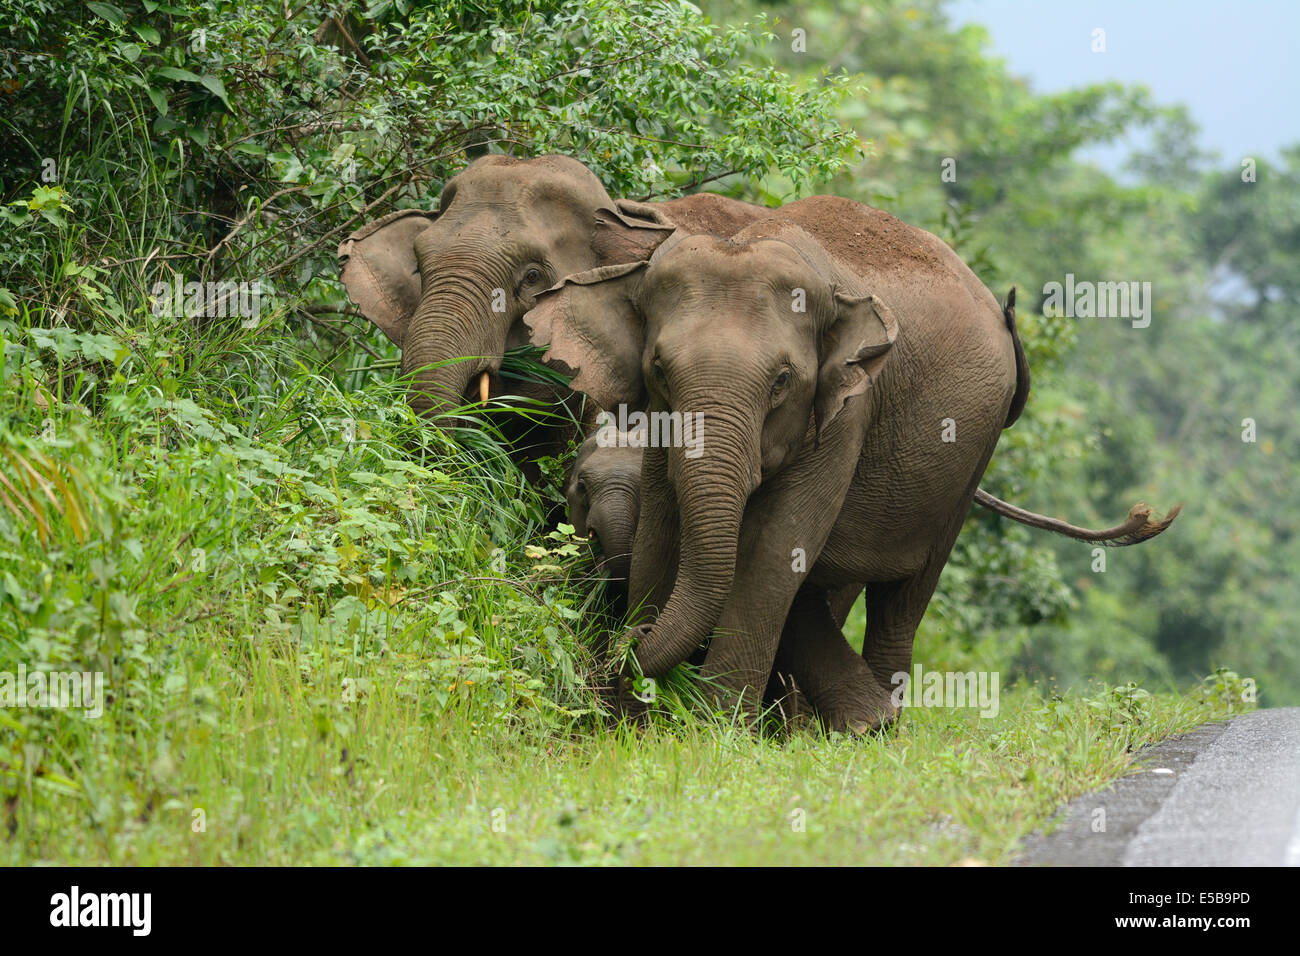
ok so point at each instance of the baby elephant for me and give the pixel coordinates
(604, 496)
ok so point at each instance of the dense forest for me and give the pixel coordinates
(183, 499)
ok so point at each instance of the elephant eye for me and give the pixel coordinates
(661, 377)
(532, 277)
(581, 487)
(782, 380)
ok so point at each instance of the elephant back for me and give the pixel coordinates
(711, 214)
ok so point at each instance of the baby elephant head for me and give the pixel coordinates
(605, 500)
(746, 350)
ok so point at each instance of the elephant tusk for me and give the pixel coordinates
(483, 389)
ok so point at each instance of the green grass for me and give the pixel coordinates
(397, 778)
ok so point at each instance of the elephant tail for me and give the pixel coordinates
(1022, 364)
(1138, 527)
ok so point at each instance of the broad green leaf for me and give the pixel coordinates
(216, 88)
(112, 14)
(159, 100)
(176, 73)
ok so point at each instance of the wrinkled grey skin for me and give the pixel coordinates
(450, 288)
(823, 437)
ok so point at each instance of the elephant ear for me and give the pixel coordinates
(854, 347)
(619, 238)
(647, 211)
(380, 270)
(590, 324)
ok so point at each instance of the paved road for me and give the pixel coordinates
(1223, 795)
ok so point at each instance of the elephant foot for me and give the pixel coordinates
(742, 704)
(859, 713)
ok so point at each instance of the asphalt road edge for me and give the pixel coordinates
(1096, 828)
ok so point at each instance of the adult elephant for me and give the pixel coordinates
(850, 404)
(450, 288)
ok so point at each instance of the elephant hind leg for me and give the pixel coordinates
(835, 679)
(895, 608)
(894, 611)
(842, 600)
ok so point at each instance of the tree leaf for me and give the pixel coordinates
(216, 88)
(159, 100)
(176, 73)
(112, 14)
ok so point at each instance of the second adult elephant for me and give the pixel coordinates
(828, 387)
(603, 492)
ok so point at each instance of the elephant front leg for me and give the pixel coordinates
(785, 528)
(744, 644)
(737, 667)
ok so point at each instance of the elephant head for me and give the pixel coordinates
(760, 340)
(450, 287)
(604, 498)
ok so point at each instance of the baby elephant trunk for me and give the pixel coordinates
(613, 530)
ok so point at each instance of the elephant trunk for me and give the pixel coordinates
(712, 491)
(454, 337)
(614, 524)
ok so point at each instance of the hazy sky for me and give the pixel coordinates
(1235, 64)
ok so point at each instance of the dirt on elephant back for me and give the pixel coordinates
(714, 214)
(856, 234)
(859, 234)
